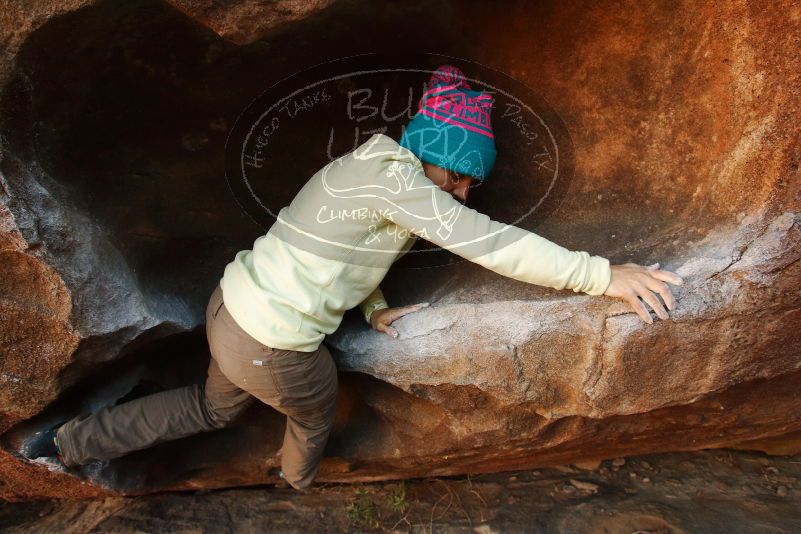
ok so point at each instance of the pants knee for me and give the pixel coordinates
(218, 416)
(217, 420)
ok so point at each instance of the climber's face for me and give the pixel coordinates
(458, 185)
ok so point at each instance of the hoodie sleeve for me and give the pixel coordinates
(374, 301)
(413, 201)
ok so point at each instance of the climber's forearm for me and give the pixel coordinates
(537, 260)
(417, 204)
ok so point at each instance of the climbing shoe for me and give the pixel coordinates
(43, 444)
(282, 483)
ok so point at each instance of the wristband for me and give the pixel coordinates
(368, 311)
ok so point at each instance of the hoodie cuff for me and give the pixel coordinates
(374, 301)
(600, 276)
(368, 312)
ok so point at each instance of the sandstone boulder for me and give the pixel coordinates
(116, 221)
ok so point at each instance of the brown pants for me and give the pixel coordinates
(301, 385)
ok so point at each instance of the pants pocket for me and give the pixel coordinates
(214, 305)
(291, 374)
(276, 382)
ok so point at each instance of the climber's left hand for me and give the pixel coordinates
(632, 282)
(382, 319)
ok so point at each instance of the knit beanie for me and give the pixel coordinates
(452, 127)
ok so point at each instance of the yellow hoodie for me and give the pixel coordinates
(330, 248)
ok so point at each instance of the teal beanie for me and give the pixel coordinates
(452, 127)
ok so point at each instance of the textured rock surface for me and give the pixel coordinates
(245, 22)
(702, 491)
(115, 224)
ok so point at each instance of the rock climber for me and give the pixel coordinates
(268, 317)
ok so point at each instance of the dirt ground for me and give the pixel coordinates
(706, 492)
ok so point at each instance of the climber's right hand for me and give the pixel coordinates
(382, 319)
(631, 282)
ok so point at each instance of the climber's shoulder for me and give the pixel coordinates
(382, 151)
(378, 161)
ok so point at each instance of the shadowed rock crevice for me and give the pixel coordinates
(368, 424)
(680, 146)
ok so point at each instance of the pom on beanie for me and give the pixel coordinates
(452, 128)
(448, 75)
